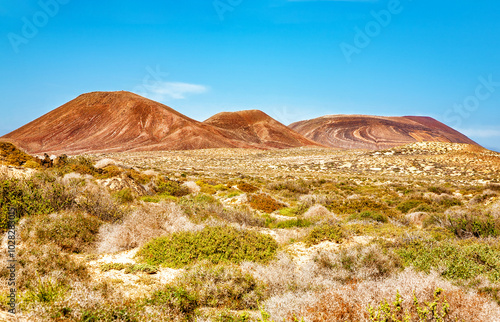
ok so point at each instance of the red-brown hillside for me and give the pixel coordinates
(115, 121)
(376, 132)
(123, 121)
(257, 128)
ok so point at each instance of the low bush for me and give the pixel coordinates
(439, 190)
(39, 195)
(106, 267)
(48, 261)
(360, 262)
(325, 232)
(168, 187)
(124, 196)
(292, 186)
(203, 207)
(98, 202)
(292, 223)
(246, 187)
(414, 296)
(437, 310)
(206, 187)
(142, 225)
(175, 299)
(473, 223)
(265, 203)
(369, 215)
(228, 316)
(238, 216)
(446, 203)
(11, 155)
(80, 164)
(457, 260)
(73, 232)
(294, 211)
(222, 287)
(408, 205)
(358, 205)
(215, 244)
(129, 268)
(45, 291)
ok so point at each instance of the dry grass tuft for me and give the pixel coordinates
(144, 224)
(192, 186)
(355, 263)
(318, 211)
(350, 302)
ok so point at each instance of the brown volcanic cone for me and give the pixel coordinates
(257, 128)
(376, 132)
(116, 121)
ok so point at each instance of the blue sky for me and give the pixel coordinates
(292, 59)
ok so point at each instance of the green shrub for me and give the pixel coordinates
(72, 232)
(124, 195)
(129, 268)
(206, 188)
(232, 194)
(215, 244)
(80, 164)
(408, 205)
(292, 223)
(425, 208)
(165, 186)
(222, 287)
(359, 262)
(30, 197)
(436, 310)
(295, 211)
(370, 215)
(474, 223)
(175, 298)
(438, 190)
(138, 176)
(493, 292)
(45, 291)
(446, 203)
(110, 312)
(32, 164)
(265, 203)
(228, 316)
(351, 206)
(11, 155)
(112, 266)
(459, 260)
(325, 232)
(110, 172)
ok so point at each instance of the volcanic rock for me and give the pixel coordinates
(257, 128)
(376, 132)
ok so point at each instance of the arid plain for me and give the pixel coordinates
(266, 225)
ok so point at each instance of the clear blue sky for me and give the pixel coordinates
(292, 59)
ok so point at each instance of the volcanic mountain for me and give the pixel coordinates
(123, 121)
(376, 132)
(257, 128)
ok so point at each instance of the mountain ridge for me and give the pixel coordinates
(123, 121)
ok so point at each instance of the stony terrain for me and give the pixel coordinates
(256, 235)
(448, 162)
